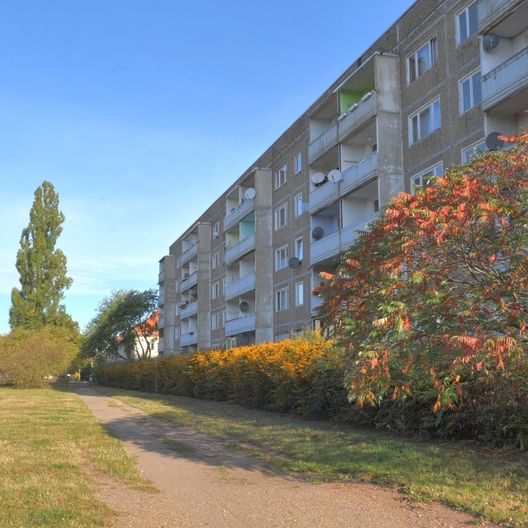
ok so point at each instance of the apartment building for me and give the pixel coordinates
(436, 88)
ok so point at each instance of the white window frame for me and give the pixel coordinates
(281, 216)
(299, 293)
(298, 162)
(435, 120)
(467, 27)
(413, 63)
(281, 176)
(299, 248)
(468, 152)
(281, 300)
(216, 229)
(281, 257)
(298, 201)
(216, 320)
(423, 176)
(469, 79)
(215, 290)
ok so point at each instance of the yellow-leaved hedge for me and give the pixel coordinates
(303, 374)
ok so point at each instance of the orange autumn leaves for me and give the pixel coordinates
(436, 292)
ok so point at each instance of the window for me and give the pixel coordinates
(216, 229)
(375, 205)
(425, 121)
(299, 293)
(423, 59)
(299, 248)
(298, 200)
(426, 177)
(469, 93)
(282, 300)
(467, 21)
(281, 258)
(473, 150)
(280, 176)
(215, 290)
(215, 320)
(281, 216)
(215, 260)
(298, 162)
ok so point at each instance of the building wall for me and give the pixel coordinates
(383, 138)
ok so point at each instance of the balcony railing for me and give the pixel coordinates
(161, 321)
(323, 196)
(188, 254)
(241, 286)
(332, 245)
(505, 81)
(161, 276)
(357, 115)
(240, 325)
(190, 338)
(321, 144)
(161, 298)
(244, 208)
(189, 281)
(238, 250)
(189, 310)
(492, 11)
(359, 173)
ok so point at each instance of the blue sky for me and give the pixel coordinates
(142, 112)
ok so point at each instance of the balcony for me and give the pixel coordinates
(161, 321)
(332, 245)
(161, 276)
(325, 248)
(189, 338)
(325, 141)
(189, 281)
(357, 114)
(316, 302)
(189, 310)
(244, 208)
(240, 325)
(323, 196)
(241, 286)
(238, 250)
(491, 12)
(359, 173)
(161, 298)
(505, 81)
(188, 254)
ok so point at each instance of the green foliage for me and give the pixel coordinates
(121, 320)
(432, 302)
(41, 266)
(29, 357)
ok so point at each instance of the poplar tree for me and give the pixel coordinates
(42, 267)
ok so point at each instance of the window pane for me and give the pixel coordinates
(434, 51)
(473, 18)
(412, 68)
(462, 26)
(425, 122)
(423, 60)
(466, 96)
(437, 117)
(415, 136)
(477, 95)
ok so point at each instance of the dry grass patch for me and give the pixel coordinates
(49, 445)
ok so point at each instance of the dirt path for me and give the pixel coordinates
(201, 484)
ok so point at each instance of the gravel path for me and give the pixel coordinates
(201, 484)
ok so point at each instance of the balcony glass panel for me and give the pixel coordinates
(240, 325)
(241, 286)
(189, 282)
(189, 310)
(349, 233)
(239, 249)
(323, 196)
(325, 248)
(188, 339)
(244, 208)
(359, 173)
(326, 140)
(188, 254)
(357, 115)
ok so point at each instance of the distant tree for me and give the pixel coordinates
(124, 326)
(28, 357)
(41, 266)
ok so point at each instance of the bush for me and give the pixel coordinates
(28, 358)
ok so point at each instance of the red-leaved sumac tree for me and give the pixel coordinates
(435, 293)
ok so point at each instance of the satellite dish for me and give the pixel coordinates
(318, 178)
(335, 176)
(317, 232)
(490, 41)
(493, 142)
(244, 306)
(242, 339)
(250, 193)
(294, 262)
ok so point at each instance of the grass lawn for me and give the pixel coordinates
(50, 443)
(489, 483)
